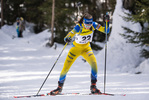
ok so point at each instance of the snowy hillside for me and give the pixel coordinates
(122, 56)
(25, 63)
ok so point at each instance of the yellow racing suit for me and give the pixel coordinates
(81, 47)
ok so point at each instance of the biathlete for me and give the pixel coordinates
(83, 33)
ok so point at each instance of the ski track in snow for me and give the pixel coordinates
(24, 67)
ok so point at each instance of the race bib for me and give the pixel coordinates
(83, 39)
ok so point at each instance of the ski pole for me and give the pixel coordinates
(51, 69)
(106, 28)
(78, 14)
(78, 5)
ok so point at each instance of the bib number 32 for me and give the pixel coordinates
(84, 38)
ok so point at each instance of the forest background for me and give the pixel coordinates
(39, 12)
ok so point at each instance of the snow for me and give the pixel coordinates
(25, 63)
(121, 55)
(143, 67)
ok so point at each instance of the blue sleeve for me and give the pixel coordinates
(95, 24)
(77, 28)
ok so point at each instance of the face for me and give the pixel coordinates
(87, 26)
(87, 23)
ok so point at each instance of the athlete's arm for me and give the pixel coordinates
(72, 33)
(98, 27)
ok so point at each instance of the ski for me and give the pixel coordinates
(75, 94)
(68, 94)
(29, 96)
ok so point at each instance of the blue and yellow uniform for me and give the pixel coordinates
(17, 28)
(81, 47)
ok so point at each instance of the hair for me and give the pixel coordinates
(86, 15)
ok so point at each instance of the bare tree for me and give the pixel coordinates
(52, 24)
(2, 17)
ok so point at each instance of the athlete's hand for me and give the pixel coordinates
(67, 39)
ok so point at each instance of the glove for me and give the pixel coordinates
(67, 39)
(107, 17)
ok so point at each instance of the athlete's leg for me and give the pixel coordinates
(90, 58)
(72, 55)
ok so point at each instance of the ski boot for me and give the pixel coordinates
(58, 90)
(93, 88)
